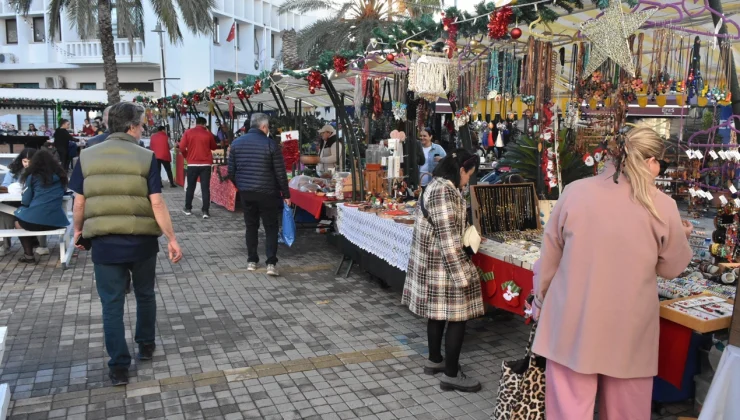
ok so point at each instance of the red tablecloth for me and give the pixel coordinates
(310, 202)
(503, 272)
(674, 338)
(223, 192)
(674, 342)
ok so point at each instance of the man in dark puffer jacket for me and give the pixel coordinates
(257, 169)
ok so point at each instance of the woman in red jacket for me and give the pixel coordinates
(161, 146)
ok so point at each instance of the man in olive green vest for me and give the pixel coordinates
(119, 208)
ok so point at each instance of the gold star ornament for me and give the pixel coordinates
(609, 36)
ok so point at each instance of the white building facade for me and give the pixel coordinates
(37, 64)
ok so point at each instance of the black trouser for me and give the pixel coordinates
(204, 172)
(453, 343)
(30, 242)
(168, 169)
(64, 156)
(267, 207)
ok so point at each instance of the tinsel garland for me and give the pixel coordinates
(449, 25)
(314, 79)
(340, 64)
(498, 25)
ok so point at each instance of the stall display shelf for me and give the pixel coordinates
(381, 237)
(509, 254)
(684, 287)
(670, 310)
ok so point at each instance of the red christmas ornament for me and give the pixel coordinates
(218, 96)
(390, 57)
(314, 80)
(340, 64)
(241, 94)
(516, 33)
(174, 96)
(257, 87)
(184, 101)
(196, 98)
(498, 23)
(212, 94)
(221, 87)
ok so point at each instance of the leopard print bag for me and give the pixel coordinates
(521, 389)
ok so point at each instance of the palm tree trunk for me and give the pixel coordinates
(110, 69)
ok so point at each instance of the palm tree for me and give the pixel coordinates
(521, 157)
(130, 13)
(350, 23)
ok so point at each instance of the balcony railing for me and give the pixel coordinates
(92, 52)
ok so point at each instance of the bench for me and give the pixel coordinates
(66, 237)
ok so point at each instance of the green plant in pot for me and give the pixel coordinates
(521, 157)
(310, 158)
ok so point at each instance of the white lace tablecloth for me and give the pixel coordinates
(384, 238)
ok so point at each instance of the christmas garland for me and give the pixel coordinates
(469, 25)
(26, 103)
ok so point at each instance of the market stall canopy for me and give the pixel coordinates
(292, 90)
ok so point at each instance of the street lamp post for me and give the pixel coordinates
(158, 29)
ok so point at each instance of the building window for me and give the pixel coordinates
(11, 31)
(141, 87)
(26, 85)
(59, 28)
(272, 45)
(38, 30)
(118, 30)
(216, 31)
(88, 86)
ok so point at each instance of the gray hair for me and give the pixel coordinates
(105, 114)
(123, 115)
(258, 120)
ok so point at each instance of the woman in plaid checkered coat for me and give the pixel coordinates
(442, 284)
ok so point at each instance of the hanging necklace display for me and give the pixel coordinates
(725, 95)
(494, 86)
(714, 91)
(705, 76)
(571, 112)
(399, 105)
(433, 75)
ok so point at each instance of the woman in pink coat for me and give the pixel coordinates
(606, 240)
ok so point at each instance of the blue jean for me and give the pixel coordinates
(111, 280)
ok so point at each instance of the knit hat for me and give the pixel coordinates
(328, 129)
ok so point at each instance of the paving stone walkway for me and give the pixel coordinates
(234, 344)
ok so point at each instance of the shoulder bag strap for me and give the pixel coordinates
(386, 88)
(424, 211)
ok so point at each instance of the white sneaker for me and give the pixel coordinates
(271, 270)
(41, 251)
(251, 266)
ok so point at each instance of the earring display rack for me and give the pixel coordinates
(501, 208)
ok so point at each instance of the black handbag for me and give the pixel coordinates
(387, 103)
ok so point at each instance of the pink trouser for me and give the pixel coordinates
(570, 395)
